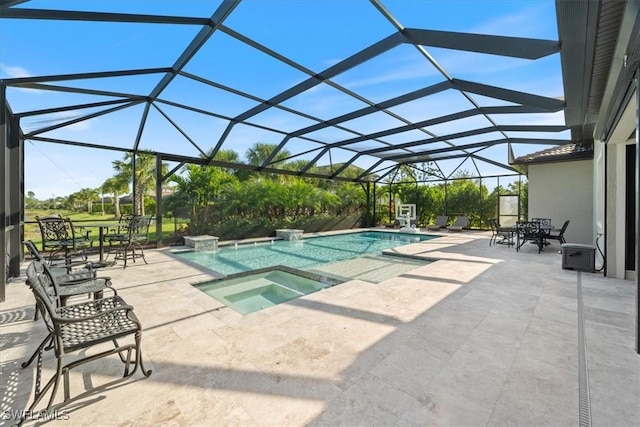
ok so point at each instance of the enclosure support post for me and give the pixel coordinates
(369, 222)
(134, 204)
(15, 195)
(374, 204)
(637, 208)
(390, 202)
(4, 267)
(158, 200)
(446, 209)
(482, 222)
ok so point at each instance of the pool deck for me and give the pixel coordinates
(483, 336)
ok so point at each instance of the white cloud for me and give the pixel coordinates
(520, 24)
(54, 119)
(14, 71)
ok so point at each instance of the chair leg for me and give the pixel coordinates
(54, 381)
(142, 254)
(48, 339)
(139, 361)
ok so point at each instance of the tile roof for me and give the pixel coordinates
(566, 152)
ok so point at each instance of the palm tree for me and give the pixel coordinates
(145, 175)
(198, 187)
(85, 195)
(116, 185)
(258, 153)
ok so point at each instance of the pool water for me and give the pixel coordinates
(303, 254)
(248, 293)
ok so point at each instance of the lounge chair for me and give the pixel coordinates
(461, 223)
(441, 222)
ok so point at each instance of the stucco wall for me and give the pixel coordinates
(561, 191)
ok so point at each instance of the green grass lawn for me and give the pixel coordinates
(84, 221)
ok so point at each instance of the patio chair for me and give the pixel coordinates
(130, 236)
(505, 234)
(558, 234)
(78, 282)
(542, 221)
(529, 231)
(441, 222)
(461, 223)
(75, 328)
(60, 240)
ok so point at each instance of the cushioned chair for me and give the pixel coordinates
(441, 222)
(462, 222)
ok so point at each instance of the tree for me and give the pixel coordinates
(258, 153)
(198, 187)
(84, 196)
(145, 175)
(30, 201)
(116, 185)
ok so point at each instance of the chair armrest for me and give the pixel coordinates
(106, 281)
(91, 286)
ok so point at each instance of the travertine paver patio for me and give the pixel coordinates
(482, 336)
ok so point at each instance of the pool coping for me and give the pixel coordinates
(330, 281)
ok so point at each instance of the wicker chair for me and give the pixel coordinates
(77, 327)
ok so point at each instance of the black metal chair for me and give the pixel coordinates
(493, 225)
(75, 328)
(529, 231)
(559, 235)
(505, 234)
(542, 221)
(60, 240)
(77, 282)
(130, 237)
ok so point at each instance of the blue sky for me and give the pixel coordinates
(314, 34)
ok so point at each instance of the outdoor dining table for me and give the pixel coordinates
(103, 229)
(536, 236)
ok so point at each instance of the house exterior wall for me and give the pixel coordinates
(561, 191)
(616, 232)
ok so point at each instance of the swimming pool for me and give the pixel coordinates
(253, 291)
(304, 254)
